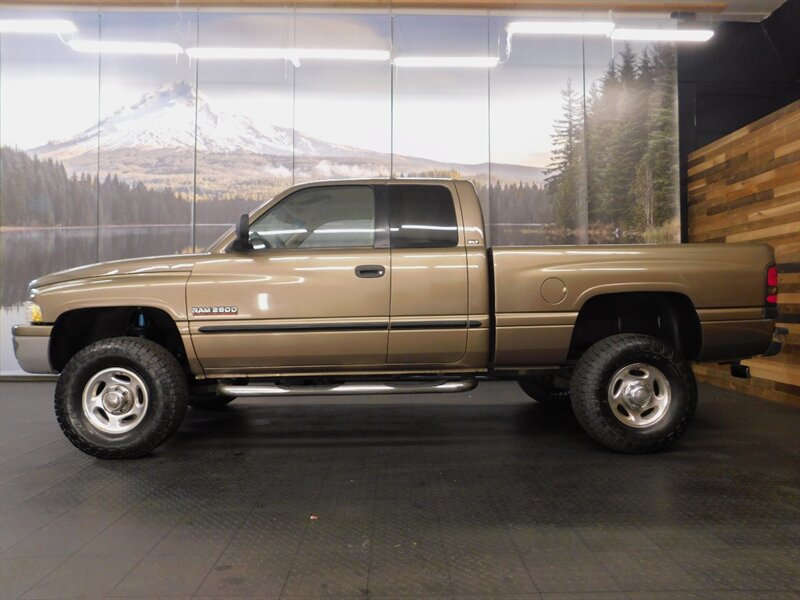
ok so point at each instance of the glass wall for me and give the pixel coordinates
(245, 117)
(538, 175)
(342, 107)
(441, 112)
(132, 133)
(146, 136)
(631, 142)
(48, 210)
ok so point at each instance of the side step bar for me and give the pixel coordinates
(348, 389)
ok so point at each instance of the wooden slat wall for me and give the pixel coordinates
(745, 187)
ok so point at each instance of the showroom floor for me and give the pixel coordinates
(481, 495)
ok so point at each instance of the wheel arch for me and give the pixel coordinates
(76, 329)
(670, 316)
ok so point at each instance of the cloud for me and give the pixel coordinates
(277, 171)
(326, 170)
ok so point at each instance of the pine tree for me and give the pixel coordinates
(602, 111)
(564, 174)
(656, 174)
(625, 144)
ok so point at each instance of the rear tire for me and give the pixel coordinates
(544, 391)
(121, 398)
(209, 401)
(634, 393)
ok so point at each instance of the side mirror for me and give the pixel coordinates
(242, 241)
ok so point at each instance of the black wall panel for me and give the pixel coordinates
(746, 71)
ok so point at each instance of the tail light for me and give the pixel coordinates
(771, 297)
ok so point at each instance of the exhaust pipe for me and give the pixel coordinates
(348, 389)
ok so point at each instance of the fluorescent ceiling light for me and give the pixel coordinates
(560, 27)
(662, 35)
(293, 54)
(225, 53)
(37, 26)
(459, 62)
(119, 47)
(339, 54)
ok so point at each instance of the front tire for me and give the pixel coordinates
(634, 393)
(121, 398)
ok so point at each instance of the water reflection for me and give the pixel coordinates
(28, 254)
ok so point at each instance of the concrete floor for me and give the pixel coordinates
(475, 496)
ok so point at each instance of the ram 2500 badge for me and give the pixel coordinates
(388, 286)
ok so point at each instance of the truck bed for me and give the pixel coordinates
(539, 292)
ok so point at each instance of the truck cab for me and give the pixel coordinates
(367, 276)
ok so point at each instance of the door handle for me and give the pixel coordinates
(370, 271)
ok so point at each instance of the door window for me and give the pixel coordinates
(422, 216)
(319, 217)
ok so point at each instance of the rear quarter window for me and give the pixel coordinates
(422, 216)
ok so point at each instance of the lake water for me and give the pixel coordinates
(28, 254)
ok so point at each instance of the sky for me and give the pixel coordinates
(48, 91)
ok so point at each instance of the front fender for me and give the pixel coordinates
(164, 291)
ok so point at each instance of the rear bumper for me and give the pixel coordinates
(733, 340)
(778, 338)
(32, 347)
(743, 371)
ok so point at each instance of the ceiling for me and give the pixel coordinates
(713, 10)
(748, 10)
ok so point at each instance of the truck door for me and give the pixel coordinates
(314, 291)
(428, 313)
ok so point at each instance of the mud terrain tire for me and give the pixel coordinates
(634, 393)
(119, 374)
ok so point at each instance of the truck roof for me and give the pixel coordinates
(376, 180)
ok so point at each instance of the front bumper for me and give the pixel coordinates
(32, 347)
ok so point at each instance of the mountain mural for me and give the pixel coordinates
(153, 141)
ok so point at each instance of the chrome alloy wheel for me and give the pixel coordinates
(639, 395)
(115, 400)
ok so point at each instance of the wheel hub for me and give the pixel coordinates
(637, 395)
(117, 400)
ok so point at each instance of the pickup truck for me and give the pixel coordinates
(388, 286)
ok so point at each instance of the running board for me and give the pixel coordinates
(348, 389)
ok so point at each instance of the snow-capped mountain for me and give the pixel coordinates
(153, 141)
(166, 119)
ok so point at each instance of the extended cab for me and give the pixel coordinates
(388, 286)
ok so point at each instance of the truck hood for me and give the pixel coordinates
(153, 264)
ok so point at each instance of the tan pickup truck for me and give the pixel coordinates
(388, 286)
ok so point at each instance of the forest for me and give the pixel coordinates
(40, 193)
(614, 168)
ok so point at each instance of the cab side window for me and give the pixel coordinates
(422, 216)
(319, 217)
